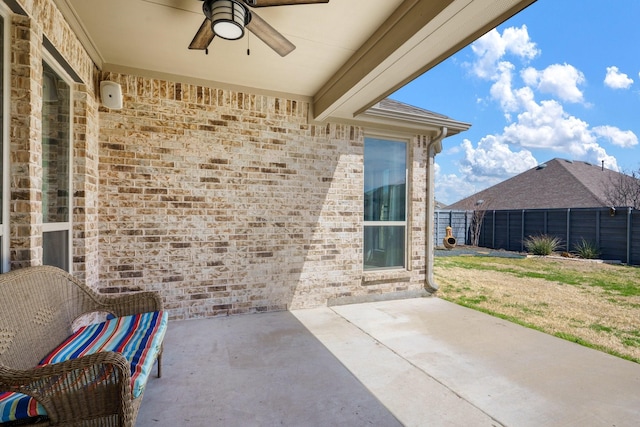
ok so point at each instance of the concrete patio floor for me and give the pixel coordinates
(415, 362)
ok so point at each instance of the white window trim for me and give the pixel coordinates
(62, 226)
(5, 261)
(406, 223)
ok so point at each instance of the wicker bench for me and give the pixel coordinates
(53, 375)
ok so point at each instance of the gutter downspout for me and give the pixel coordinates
(434, 147)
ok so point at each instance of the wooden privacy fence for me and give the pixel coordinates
(614, 231)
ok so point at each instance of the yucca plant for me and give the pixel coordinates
(586, 249)
(542, 244)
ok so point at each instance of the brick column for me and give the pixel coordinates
(26, 143)
(85, 185)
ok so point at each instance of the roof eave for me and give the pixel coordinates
(417, 37)
(422, 124)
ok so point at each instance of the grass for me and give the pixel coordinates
(592, 304)
(624, 280)
(601, 328)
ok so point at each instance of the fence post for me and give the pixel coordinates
(598, 220)
(436, 228)
(546, 222)
(466, 227)
(629, 223)
(568, 227)
(522, 233)
(493, 234)
(508, 230)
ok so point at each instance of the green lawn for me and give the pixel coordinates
(593, 304)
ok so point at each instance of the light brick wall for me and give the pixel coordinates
(50, 22)
(27, 53)
(230, 202)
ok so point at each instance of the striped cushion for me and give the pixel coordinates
(18, 406)
(138, 338)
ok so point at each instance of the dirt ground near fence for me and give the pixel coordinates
(599, 306)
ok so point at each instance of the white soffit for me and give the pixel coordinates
(455, 27)
(154, 35)
(349, 55)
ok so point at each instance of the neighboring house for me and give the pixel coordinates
(439, 205)
(557, 183)
(229, 183)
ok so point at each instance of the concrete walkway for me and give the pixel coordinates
(416, 362)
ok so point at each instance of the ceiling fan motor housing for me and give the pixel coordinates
(228, 17)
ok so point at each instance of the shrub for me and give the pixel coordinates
(586, 249)
(542, 244)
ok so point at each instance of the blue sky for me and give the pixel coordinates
(560, 79)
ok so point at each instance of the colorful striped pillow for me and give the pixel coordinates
(138, 338)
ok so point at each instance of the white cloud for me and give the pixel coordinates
(493, 160)
(488, 164)
(502, 89)
(561, 80)
(617, 80)
(490, 48)
(519, 43)
(543, 125)
(532, 125)
(539, 126)
(450, 188)
(616, 136)
(547, 126)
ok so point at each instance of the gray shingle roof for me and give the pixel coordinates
(557, 183)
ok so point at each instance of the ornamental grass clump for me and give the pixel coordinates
(586, 249)
(542, 244)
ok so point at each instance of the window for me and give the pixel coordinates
(385, 203)
(56, 168)
(4, 143)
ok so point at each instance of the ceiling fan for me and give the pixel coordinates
(228, 19)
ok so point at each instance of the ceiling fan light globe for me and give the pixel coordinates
(228, 30)
(228, 18)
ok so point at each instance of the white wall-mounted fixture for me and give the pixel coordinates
(111, 95)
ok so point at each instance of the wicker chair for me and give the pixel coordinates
(38, 306)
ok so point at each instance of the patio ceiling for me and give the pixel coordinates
(349, 55)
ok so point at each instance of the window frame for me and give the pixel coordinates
(407, 208)
(67, 226)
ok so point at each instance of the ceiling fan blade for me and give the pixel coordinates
(265, 3)
(203, 37)
(270, 35)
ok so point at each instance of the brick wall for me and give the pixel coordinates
(230, 202)
(43, 19)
